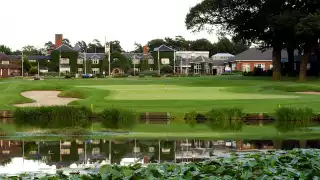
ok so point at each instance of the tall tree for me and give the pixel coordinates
(66, 42)
(31, 50)
(83, 46)
(49, 45)
(154, 43)
(115, 46)
(95, 47)
(6, 50)
(138, 48)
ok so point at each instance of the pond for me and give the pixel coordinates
(87, 156)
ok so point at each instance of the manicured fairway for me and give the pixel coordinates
(175, 95)
(171, 92)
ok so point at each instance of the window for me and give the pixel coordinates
(150, 61)
(65, 151)
(80, 151)
(197, 68)
(261, 65)
(137, 69)
(80, 61)
(246, 67)
(64, 60)
(233, 67)
(95, 142)
(95, 61)
(95, 150)
(95, 70)
(31, 60)
(5, 62)
(80, 71)
(165, 61)
(308, 66)
(136, 61)
(271, 66)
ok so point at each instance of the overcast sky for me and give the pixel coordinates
(35, 22)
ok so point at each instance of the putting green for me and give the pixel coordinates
(172, 92)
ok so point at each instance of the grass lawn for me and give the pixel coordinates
(175, 95)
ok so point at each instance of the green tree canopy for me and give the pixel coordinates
(5, 49)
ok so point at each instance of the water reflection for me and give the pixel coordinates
(47, 156)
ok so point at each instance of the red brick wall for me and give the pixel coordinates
(240, 63)
(58, 40)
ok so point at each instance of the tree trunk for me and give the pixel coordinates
(290, 68)
(303, 66)
(276, 61)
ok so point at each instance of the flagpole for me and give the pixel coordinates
(109, 52)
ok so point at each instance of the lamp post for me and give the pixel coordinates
(22, 60)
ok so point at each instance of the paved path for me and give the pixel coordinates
(45, 98)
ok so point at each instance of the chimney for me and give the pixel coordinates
(59, 38)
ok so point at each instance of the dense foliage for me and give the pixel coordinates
(113, 118)
(225, 119)
(295, 164)
(290, 119)
(53, 117)
(191, 118)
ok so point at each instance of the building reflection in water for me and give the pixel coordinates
(94, 153)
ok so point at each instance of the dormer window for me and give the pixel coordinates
(95, 61)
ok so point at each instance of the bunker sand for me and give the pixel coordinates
(44, 98)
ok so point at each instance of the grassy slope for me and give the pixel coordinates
(247, 86)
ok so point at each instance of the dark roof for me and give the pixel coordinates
(164, 48)
(219, 62)
(4, 57)
(77, 48)
(88, 56)
(38, 57)
(64, 48)
(256, 54)
(14, 57)
(139, 56)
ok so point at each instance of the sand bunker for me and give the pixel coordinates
(45, 98)
(309, 92)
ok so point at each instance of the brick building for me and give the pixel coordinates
(10, 65)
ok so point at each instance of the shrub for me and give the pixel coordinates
(118, 118)
(67, 76)
(290, 119)
(53, 117)
(120, 75)
(141, 76)
(33, 71)
(166, 69)
(190, 118)
(156, 75)
(148, 73)
(225, 119)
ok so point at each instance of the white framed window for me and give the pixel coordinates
(197, 68)
(233, 66)
(95, 70)
(65, 151)
(80, 151)
(31, 60)
(136, 61)
(80, 71)
(165, 61)
(260, 65)
(95, 150)
(308, 66)
(137, 69)
(80, 61)
(271, 66)
(5, 62)
(95, 61)
(246, 67)
(64, 60)
(150, 61)
(151, 69)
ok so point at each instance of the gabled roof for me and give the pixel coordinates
(77, 48)
(200, 59)
(4, 57)
(164, 48)
(256, 54)
(88, 56)
(64, 48)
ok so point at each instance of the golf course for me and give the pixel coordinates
(176, 95)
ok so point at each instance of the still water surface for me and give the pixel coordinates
(18, 157)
